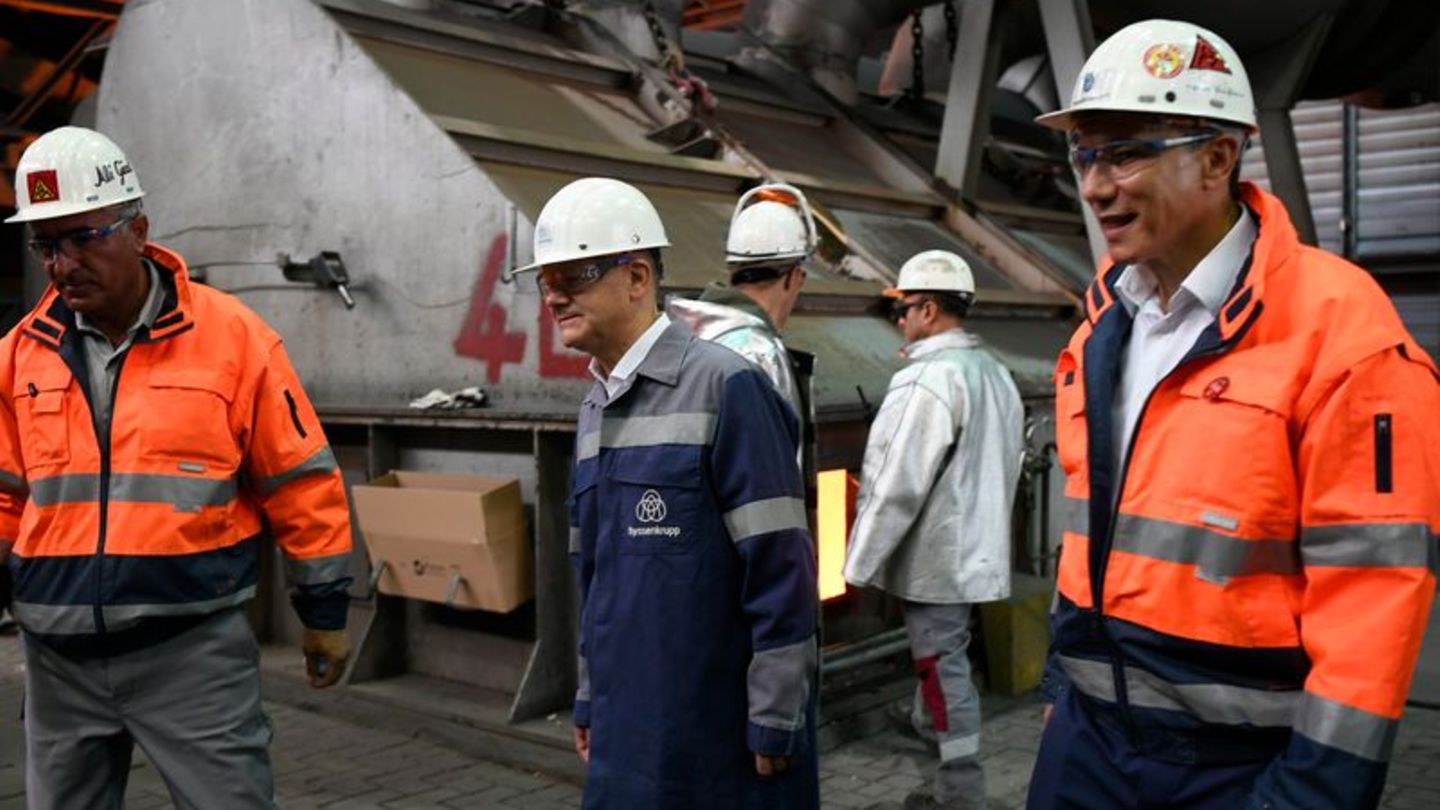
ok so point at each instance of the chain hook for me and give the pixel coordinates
(917, 55)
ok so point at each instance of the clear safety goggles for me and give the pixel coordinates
(75, 242)
(1124, 158)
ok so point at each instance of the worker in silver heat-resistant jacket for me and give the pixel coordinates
(772, 233)
(932, 523)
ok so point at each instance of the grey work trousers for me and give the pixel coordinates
(947, 706)
(192, 703)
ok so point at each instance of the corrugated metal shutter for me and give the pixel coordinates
(1318, 128)
(1421, 314)
(1398, 210)
(1399, 206)
(1400, 183)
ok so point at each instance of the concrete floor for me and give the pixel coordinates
(363, 761)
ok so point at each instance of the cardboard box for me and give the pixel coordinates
(428, 528)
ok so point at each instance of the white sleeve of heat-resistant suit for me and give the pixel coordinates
(909, 441)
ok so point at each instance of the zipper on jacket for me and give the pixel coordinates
(105, 491)
(1097, 580)
(1383, 461)
(294, 413)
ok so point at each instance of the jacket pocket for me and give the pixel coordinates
(188, 419)
(659, 500)
(43, 406)
(1231, 427)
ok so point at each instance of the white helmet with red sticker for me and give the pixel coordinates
(1162, 67)
(72, 170)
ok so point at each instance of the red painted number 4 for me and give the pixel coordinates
(483, 335)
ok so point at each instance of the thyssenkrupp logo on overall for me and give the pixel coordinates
(651, 509)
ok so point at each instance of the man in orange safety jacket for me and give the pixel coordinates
(149, 427)
(1251, 446)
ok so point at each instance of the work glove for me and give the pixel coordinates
(326, 652)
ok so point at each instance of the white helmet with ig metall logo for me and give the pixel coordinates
(1162, 67)
(72, 170)
(595, 216)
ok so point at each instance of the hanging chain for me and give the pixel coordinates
(952, 27)
(657, 33)
(917, 55)
(672, 61)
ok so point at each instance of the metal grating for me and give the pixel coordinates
(894, 239)
(514, 99)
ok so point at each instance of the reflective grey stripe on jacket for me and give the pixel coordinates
(62, 620)
(1210, 702)
(929, 534)
(186, 493)
(1353, 730)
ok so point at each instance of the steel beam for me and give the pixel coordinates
(376, 621)
(550, 674)
(68, 63)
(1276, 77)
(93, 9)
(967, 102)
(1069, 39)
(1287, 176)
(1350, 185)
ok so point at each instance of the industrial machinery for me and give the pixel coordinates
(409, 151)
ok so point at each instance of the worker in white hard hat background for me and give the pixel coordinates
(932, 521)
(698, 661)
(1252, 458)
(772, 233)
(149, 427)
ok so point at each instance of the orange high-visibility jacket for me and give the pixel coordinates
(122, 540)
(1259, 588)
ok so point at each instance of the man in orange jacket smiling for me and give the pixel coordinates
(1251, 450)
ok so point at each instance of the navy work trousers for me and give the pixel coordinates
(1086, 762)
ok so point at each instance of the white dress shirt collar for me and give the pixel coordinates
(1209, 284)
(631, 360)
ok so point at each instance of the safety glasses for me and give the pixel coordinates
(901, 308)
(574, 280)
(1121, 159)
(75, 242)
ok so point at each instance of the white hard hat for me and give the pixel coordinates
(934, 271)
(72, 170)
(595, 216)
(1162, 67)
(771, 222)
